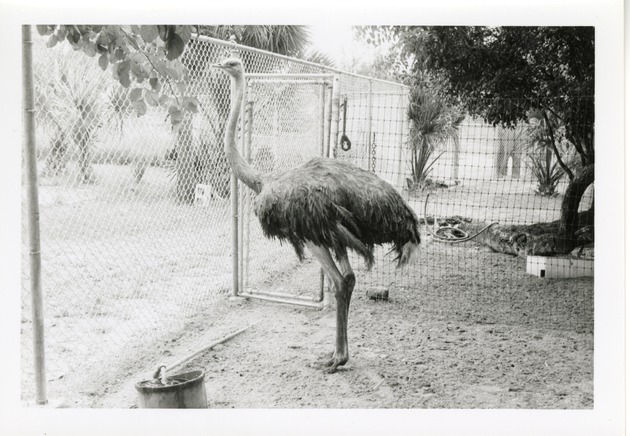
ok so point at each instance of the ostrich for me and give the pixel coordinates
(328, 207)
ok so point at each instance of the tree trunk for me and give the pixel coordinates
(569, 219)
(540, 239)
(55, 162)
(456, 147)
(85, 165)
(516, 161)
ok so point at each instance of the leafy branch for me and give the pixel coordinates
(136, 54)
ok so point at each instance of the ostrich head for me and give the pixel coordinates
(231, 66)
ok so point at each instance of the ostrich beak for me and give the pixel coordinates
(217, 66)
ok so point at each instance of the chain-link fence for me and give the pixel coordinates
(136, 219)
(479, 175)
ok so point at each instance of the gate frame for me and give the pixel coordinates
(329, 95)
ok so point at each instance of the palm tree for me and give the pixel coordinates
(542, 160)
(433, 124)
(284, 40)
(72, 108)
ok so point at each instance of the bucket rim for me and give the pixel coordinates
(195, 377)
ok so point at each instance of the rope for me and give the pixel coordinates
(457, 235)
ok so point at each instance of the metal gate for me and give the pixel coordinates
(287, 119)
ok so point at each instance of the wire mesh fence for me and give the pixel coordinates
(136, 219)
(288, 128)
(480, 175)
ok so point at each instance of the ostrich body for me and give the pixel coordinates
(328, 207)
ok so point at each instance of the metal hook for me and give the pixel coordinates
(346, 144)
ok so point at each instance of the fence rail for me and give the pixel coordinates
(136, 218)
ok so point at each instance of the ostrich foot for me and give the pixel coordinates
(330, 363)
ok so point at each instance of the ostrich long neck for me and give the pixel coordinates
(242, 170)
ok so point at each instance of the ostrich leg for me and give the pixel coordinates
(344, 284)
(349, 278)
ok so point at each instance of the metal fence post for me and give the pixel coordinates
(334, 117)
(235, 225)
(401, 150)
(332, 126)
(248, 128)
(369, 128)
(32, 204)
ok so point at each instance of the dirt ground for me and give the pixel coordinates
(402, 356)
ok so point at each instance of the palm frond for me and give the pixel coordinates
(433, 124)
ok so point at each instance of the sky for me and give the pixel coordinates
(337, 41)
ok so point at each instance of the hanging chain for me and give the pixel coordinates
(373, 146)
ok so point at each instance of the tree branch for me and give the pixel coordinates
(137, 47)
(555, 149)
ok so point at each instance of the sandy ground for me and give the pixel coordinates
(403, 355)
(396, 362)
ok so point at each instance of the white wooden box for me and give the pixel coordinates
(559, 267)
(203, 194)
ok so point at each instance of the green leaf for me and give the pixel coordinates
(89, 48)
(176, 114)
(103, 62)
(135, 94)
(176, 117)
(73, 36)
(121, 72)
(140, 107)
(165, 100)
(152, 98)
(191, 104)
(62, 31)
(149, 33)
(161, 68)
(120, 54)
(174, 46)
(181, 87)
(45, 30)
(185, 32)
(125, 80)
(163, 32)
(173, 73)
(139, 71)
(155, 84)
(52, 41)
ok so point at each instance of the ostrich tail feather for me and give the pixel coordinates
(406, 253)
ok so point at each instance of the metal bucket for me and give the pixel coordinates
(182, 391)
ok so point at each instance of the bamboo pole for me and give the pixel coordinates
(235, 233)
(293, 301)
(246, 217)
(32, 204)
(195, 353)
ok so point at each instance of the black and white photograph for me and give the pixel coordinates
(369, 224)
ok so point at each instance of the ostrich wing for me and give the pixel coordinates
(338, 206)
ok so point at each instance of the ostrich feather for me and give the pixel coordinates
(337, 205)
